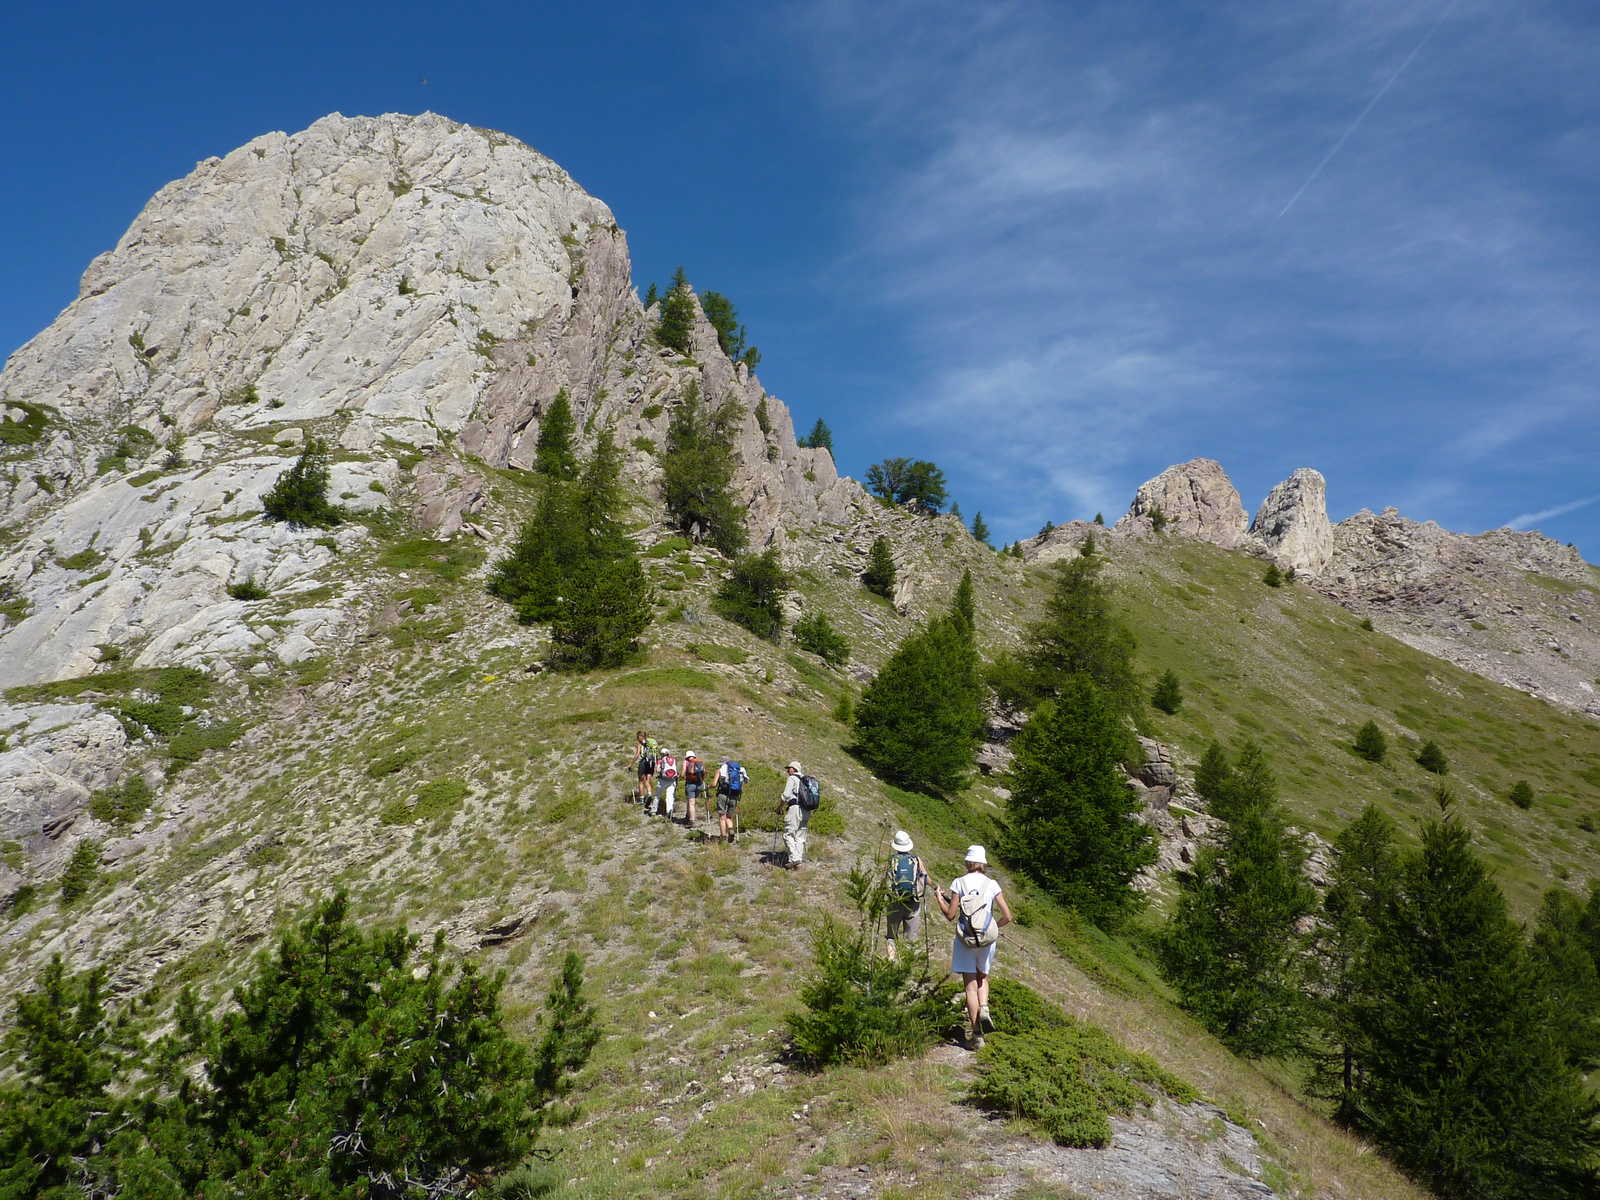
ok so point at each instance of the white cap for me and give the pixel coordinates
(901, 842)
(691, 754)
(975, 854)
(794, 766)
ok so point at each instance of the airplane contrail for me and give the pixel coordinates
(1371, 104)
(1523, 520)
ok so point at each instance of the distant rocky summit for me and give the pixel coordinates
(1513, 606)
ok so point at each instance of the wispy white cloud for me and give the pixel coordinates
(1069, 217)
(1524, 520)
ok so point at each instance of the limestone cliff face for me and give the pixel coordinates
(398, 286)
(1198, 500)
(410, 290)
(1292, 522)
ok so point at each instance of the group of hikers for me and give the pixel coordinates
(659, 774)
(974, 901)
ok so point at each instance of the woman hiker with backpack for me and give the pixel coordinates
(694, 783)
(907, 881)
(730, 786)
(971, 903)
(668, 770)
(644, 761)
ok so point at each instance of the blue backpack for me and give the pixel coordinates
(736, 777)
(903, 877)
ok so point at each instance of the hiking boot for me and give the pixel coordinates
(985, 1021)
(975, 1041)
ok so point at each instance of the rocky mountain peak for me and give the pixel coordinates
(1292, 522)
(1197, 499)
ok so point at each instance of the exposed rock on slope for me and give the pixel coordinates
(1292, 522)
(1198, 500)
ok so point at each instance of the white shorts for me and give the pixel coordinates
(968, 960)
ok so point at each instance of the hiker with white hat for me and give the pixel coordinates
(971, 903)
(907, 882)
(795, 819)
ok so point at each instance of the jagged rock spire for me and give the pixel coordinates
(1292, 522)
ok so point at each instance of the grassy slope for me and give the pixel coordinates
(685, 1102)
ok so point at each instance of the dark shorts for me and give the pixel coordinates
(645, 772)
(726, 803)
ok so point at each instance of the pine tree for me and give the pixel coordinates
(1078, 634)
(1072, 818)
(752, 595)
(554, 455)
(1571, 976)
(1465, 1080)
(1099, 519)
(1249, 786)
(879, 577)
(1087, 547)
(814, 632)
(919, 721)
(955, 511)
(1232, 949)
(1272, 577)
(697, 472)
(1431, 758)
(1168, 694)
(820, 437)
(724, 319)
(651, 296)
(609, 609)
(1521, 794)
(1370, 743)
(300, 495)
(1363, 878)
(979, 529)
(675, 329)
(1212, 776)
(964, 609)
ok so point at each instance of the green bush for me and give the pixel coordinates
(879, 577)
(190, 742)
(711, 652)
(122, 804)
(26, 431)
(1168, 694)
(1063, 1077)
(1272, 577)
(247, 590)
(817, 634)
(675, 329)
(300, 496)
(1522, 794)
(752, 595)
(81, 870)
(347, 1062)
(862, 1008)
(1431, 758)
(1370, 743)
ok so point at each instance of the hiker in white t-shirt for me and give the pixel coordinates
(986, 910)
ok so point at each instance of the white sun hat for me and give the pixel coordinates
(691, 754)
(975, 854)
(794, 766)
(901, 842)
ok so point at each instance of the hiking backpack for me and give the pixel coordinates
(647, 761)
(669, 767)
(976, 926)
(903, 877)
(694, 771)
(810, 793)
(736, 777)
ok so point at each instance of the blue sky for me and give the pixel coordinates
(1052, 247)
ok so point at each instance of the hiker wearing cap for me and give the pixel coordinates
(973, 902)
(694, 783)
(730, 786)
(795, 819)
(907, 882)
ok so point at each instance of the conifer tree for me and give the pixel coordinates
(1249, 786)
(1560, 952)
(979, 529)
(1232, 949)
(534, 575)
(814, 632)
(697, 471)
(1072, 827)
(1099, 519)
(300, 496)
(1465, 1080)
(1212, 776)
(920, 719)
(651, 296)
(752, 595)
(554, 455)
(1521, 794)
(1168, 694)
(1272, 577)
(1077, 634)
(1431, 758)
(964, 609)
(1363, 878)
(1087, 547)
(820, 437)
(879, 577)
(675, 329)
(1370, 743)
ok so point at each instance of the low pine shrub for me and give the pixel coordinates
(1062, 1076)
(817, 634)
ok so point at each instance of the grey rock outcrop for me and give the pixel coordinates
(1292, 522)
(1197, 499)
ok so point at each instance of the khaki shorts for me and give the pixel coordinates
(905, 920)
(726, 803)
